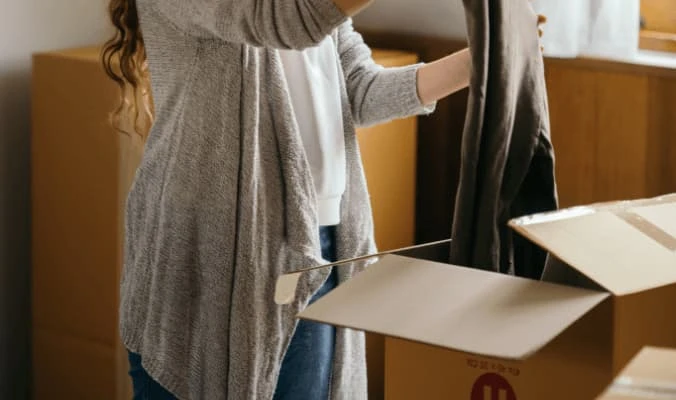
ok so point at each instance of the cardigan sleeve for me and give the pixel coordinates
(288, 24)
(377, 94)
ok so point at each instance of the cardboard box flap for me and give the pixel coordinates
(458, 308)
(625, 247)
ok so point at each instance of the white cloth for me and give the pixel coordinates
(313, 78)
(595, 28)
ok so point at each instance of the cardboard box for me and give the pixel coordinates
(77, 198)
(464, 334)
(651, 375)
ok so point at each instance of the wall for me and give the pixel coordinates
(27, 26)
(444, 19)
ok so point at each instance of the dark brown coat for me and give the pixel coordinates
(507, 165)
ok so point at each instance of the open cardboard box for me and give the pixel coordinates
(463, 334)
(651, 375)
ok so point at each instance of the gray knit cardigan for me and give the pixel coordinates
(223, 201)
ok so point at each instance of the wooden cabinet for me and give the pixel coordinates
(81, 172)
(614, 129)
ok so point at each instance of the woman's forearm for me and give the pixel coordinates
(445, 76)
(351, 7)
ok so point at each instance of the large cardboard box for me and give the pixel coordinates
(651, 375)
(464, 334)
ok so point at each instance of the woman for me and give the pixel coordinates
(251, 170)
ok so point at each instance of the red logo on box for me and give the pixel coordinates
(492, 387)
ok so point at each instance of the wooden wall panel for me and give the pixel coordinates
(613, 130)
(599, 130)
(661, 158)
(573, 138)
(621, 135)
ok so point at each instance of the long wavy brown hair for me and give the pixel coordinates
(124, 60)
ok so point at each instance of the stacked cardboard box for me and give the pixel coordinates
(464, 334)
(651, 375)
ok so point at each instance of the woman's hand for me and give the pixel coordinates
(541, 21)
(450, 74)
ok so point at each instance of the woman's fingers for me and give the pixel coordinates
(541, 20)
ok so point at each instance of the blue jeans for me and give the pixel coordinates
(307, 366)
(145, 387)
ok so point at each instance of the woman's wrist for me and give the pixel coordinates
(351, 7)
(444, 77)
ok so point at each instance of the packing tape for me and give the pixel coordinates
(581, 211)
(621, 209)
(648, 228)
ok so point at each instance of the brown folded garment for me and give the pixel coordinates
(507, 165)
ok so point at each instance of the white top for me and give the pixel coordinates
(313, 78)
